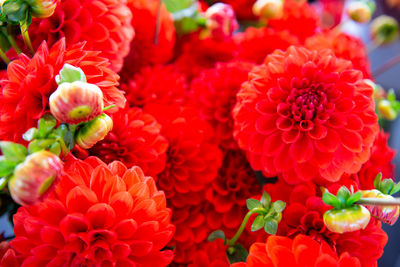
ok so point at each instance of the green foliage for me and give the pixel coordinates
(253, 203)
(178, 5)
(237, 253)
(13, 152)
(217, 234)
(258, 223)
(46, 125)
(386, 186)
(70, 74)
(271, 226)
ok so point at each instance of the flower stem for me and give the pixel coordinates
(158, 22)
(386, 66)
(4, 56)
(379, 202)
(25, 36)
(14, 44)
(232, 241)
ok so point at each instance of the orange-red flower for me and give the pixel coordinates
(212, 254)
(99, 215)
(24, 95)
(135, 140)
(105, 25)
(307, 115)
(214, 92)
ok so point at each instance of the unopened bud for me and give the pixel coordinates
(384, 30)
(94, 131)
(360, 11)
(76, 102)
(386, 214)
(386, 110)
(35, 178)
(268, 9)
(42, 8)
(221, 21)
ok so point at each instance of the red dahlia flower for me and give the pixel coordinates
(162, 84)
(301, 251)
(214, 92)
(307, 115)
(99, 215)
(254, 44)
(135, 140)
(298, 17)
(212, 254)
(146, 49)
(344, 46)
(24, 95)
(104, 24)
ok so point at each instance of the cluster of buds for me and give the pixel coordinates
(22, 10)
(387, 106)
(361, 11)
(268, 9)
(384, 30)
(221, 21)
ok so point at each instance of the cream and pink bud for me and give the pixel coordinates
(359, 11)
(386, 214)
(42, 8)
(35, 178)
(221, 21)
(76, 102)
(268, 9)
(94, 131)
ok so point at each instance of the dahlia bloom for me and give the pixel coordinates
(214, 92)
(254, 44)
(298, 17)
(99, 215)
(306, 115)
(104, 25)
(212, 254)
(301, 251)
(135, 140)
(344, 46)
(24, 94)
(162, 84)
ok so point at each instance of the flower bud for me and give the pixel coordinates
(384, 30)
(386, 214)
(221, 21)
(386, 110)
(347, 219)
(94, 131)
(35, 178)
(268, 9)
(76, 102)
(359, 11)
(42, 8)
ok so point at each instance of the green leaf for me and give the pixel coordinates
(215, 235)
(279, 206)
(3, 182)
(177, 5)
(46, 125)
(253, 203)
(70, 74)
(31, 134)
(395, 189)
(391, 96)
(258, 223)
(330, 200)
(342, 195)
(353, 199)
(265, 200)
(186, 25)
(6, 167)
(4, 42)
(55, 149)
(237, 253)
(13, 152)
(271, 226)
(386, 186)
(377, 180)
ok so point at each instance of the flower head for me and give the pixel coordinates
(98, 215)
(307, 115)
(211, 254)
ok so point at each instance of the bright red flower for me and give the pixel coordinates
(214, 93)
(298, 17)
(212, 254)
(162, 84)
(146, 49)
(254, 44)
(135, 140)
(344, 46)
(25, 94)
(105, 25)
(99, 215)
(307, 115)
(301, 251)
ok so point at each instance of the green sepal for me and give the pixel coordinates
(31, 134)
(353, 199)
(13, 152)
(177, 5)
(342, 195)
(258, 223)
(55, 149)
(70, 74)
(331, 200)
(217, 234)
(40, 144)
(270, 226)
(395, 189)
(265, 200)
(253, 203)
(377, 181)
(386, 186)
(46, 125)
(279, 206)
(237, 253)
(3, 182)
(6, 167)
(15, 11)
(4, 42)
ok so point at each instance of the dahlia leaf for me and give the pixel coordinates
(279, 206)
(253, 203)
(258, 223)
(4, 42)
(265, 200)
(31, 134)
(386, 186)
(271, 226)
(46, 125)
(3, 183)
(377, 180)
(70, 74)
(237, 253)
(13, 152)
(330, 200)
(177, 5)
(353, 198)
(395, 189)
(55, 148)
(217, 234)
(6, 168)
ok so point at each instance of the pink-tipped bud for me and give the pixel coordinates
(76, 102)
(221, 21)
(386, 214)
(359, 11)
(42, 8)
(268, 9)
(35, 178)
(94, 131)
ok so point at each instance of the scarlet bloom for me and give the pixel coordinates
(162, 84)
(298, 17)
(301, 251)
(214, 92)
(254, 44)
(24, 94)
(135, 140)
(344, 46)
(104, 25)
(150, 47)
(306, 115)
(99, 215)
(212, 254)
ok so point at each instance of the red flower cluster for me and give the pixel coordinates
(213, 254)
(306, 115)
(99, 215)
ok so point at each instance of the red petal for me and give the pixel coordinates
(302, 150)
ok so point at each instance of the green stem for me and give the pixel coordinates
(108, 107)
(4, 56)
(379, 202)
(158, 22)
(25, 36)
(232, 241)
(14, 44)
